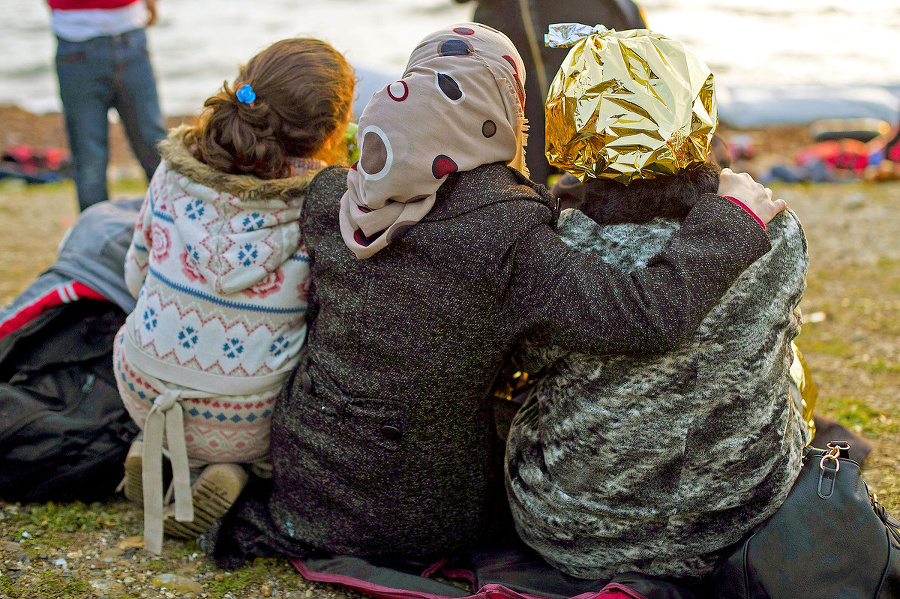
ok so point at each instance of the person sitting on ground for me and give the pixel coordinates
(221, 273)
(431, 257)
(655, 463)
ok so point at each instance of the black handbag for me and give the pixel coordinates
(831, 538)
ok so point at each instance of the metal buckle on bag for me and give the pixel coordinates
(828, 474)
(842, 446)
(834, 452)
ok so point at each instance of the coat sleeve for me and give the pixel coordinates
(138, 256)
(573, 299)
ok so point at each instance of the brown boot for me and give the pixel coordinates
(134, 468)
(213, 493)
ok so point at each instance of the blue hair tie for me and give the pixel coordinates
(245, 94)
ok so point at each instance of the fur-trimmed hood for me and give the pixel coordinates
(237, 230)
(245, 187)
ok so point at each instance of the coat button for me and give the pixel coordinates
(391, 432)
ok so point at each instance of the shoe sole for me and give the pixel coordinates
(134, 477)
(210, 504)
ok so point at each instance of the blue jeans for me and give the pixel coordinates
(96, 75)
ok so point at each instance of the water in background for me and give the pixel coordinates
(198, 43)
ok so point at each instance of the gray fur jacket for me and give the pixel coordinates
(657, 463)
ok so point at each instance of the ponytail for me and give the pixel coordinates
(303, 94)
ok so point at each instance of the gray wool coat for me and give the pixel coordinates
(384, 443)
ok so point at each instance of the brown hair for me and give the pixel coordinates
(304, 93)
(609, 202)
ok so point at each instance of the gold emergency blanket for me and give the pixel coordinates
(802, 377)
(627, 105)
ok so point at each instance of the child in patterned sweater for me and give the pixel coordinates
(221, 273)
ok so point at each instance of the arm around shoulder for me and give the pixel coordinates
(575, 300)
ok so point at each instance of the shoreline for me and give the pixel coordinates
(19, 126)
(772, 144)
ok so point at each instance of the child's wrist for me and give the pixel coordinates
(747, 210)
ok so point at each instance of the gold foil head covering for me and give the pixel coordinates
(627, 105)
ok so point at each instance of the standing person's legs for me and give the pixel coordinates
(136, 99)
(84, 70)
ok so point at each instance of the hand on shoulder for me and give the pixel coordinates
(754, 196)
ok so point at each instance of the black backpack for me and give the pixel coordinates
(64, 432)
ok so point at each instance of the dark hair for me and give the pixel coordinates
(304, 93)
(609, 202)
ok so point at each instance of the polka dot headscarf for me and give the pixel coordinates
(458, 105)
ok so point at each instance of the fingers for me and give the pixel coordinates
(756, 197)
(767, 210)
(151, 12)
